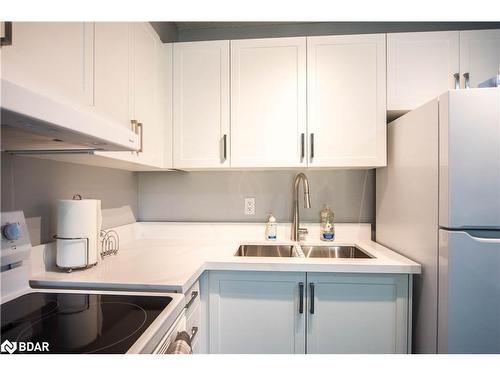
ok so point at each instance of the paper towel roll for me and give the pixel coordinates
(78, 219)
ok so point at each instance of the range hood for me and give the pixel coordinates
(36, 124)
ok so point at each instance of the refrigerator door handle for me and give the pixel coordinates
(484, 240)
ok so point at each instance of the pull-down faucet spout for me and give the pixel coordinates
(296, 230)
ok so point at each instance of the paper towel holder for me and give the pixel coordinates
(87, 262)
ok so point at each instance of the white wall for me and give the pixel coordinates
(35, 185)
(219, 196)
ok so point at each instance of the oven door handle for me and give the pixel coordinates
(194, 331)
(193, 297)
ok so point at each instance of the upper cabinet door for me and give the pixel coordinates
(52, 58)
(479, 56)
(346, 90)
(420, 66)
(268, 102)
(201, 105)
(146, 104)
(114, 70)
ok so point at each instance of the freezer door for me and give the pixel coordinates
(469, 292)
(469, 159)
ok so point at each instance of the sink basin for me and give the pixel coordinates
(334, 252)
(290, 251)
(280, 251)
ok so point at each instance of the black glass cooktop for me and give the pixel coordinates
(77, 323)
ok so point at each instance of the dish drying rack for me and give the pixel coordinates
(110, 243)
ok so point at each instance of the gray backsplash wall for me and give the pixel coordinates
(35, 185)
(219, 196)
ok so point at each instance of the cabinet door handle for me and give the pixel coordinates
(193, 297)
(312, 146)
(224, 147)
(311, 287)
(467, 80)
(6, 40)
(141, 135)
(457, 80)
(301, 298)
(302, 147)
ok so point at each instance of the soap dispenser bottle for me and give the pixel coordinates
(327, 227)
(271, 228)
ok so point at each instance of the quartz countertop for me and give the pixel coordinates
(172, 256)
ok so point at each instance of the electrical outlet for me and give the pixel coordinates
(249, 206)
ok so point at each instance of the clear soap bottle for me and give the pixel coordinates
(271, 228)
(327, 227)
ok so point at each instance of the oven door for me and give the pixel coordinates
(178, 327)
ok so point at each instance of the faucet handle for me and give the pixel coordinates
(302, 232)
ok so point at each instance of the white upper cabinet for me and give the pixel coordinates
(420, 66)
(146, 94)
(165, 105)
(479, 56)
(346, 88)
(52, 58)
(201, 105)
(114, 70)
(268, 102)
(130, 86)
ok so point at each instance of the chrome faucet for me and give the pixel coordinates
(296, 230)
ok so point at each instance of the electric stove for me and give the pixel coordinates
(86, 322)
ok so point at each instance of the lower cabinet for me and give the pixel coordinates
(256, 312)
(282, 312)
(350, 313)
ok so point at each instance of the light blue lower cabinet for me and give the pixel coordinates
(256, 312)
(357, 314)
(263, 312)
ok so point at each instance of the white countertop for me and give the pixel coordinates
(171, 256)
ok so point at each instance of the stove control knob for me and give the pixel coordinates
(11, 231)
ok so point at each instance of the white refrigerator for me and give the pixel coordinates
(438, 203)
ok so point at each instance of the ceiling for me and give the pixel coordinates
(197, 31)
(219, 25)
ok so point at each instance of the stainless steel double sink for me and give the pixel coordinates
(302, 251)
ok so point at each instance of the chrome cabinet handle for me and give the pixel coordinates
(224, 147)
(194, 331)
(137, 129)
(457, 80)
(301, 298)
(193, 297)
(467, 80)
(302, 147)
(311, 287)
(312, 146)
(6, 40)
(141, 135)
